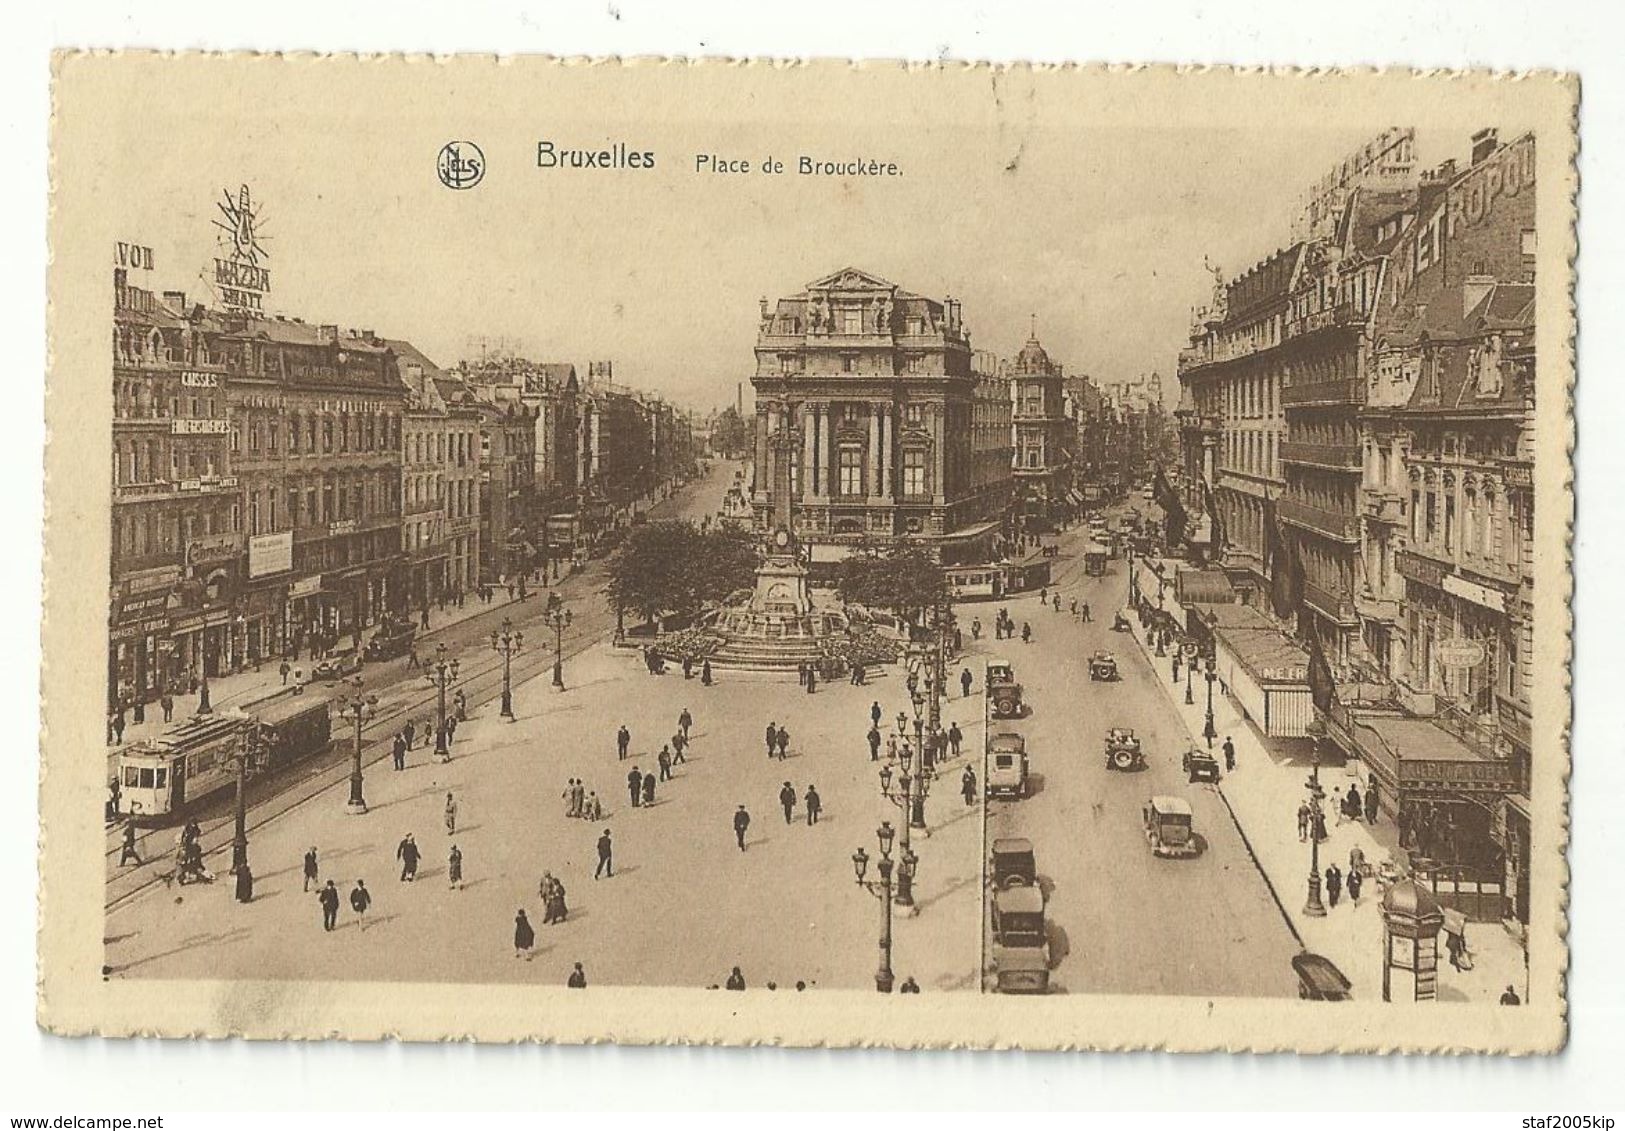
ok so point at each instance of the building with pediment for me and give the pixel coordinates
(869, 391)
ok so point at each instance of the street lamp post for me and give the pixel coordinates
(445, 674)
(358, 708)
(505, 642)
(903, 798)
(883, 890)
(1313, 906)
(239, 834)
(1209, 731)
(558, 616)
(1190, 666)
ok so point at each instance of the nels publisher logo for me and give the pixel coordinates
(461, 165)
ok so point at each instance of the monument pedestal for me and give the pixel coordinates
(781, 587)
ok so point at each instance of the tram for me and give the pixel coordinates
(970, 583)
(162, 778)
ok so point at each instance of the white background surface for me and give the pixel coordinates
(42, 1075)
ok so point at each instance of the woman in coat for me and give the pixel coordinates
(524, 936)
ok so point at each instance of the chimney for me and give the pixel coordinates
(763, 301)
(1473, 290)
(1484, 143)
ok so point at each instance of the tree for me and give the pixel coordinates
(905, 580)
(675, 569)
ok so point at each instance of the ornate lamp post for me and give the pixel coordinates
(250, 754)
(559, 617)
(1209, 731)
(357, 708)
(505, 642)
(1190, 666)
(883, 890)
(1313, 906)
(443, 673)
(903, 798)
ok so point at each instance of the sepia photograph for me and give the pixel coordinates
(651, 552)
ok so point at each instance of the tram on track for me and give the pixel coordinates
(161, 779)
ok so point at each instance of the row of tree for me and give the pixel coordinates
(675, 569)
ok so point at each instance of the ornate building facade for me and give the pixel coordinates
(1040, 437)
(877, 383)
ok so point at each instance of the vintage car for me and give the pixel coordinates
(1168, 827)
(1007, 765)
(336, 665)
(1003, 692)
(1319, 979)
(1013, 864)
(1020, 949)
(1123, 750)
(393, 638)
(1103, 666)
(1199, 765)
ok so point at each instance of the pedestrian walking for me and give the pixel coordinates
(167, 701)
(245, 883)
(454, 867)
(965, 681)
(874, 744)
(524, 936)
(688, 667)
(360, 900)
(569, 796)
(451, 815)
(784, 743)
(451, 728)
(284, 669)
(412, 661)
(1176, 667)
(409, 732)
(311, 869)
(705, 673)
(1073, 608)
(967, 786)
(578, 800)
(1355, 803)
(623, 741)
(1229, 754)
(736, 980)
(407, 853)
(1510, 997)
(955, 738)
(685, 721)
(909, 986)
(1026, 633)
(118, 725)
(648, 790)
(127, 853)
(815, 804)
(741, 823)
(1303, 822)
(976, 628)
(801, 675)
(665, 764)
(1355, 881)
(593, 810)
(891, 747)
(1334, 885)
(772, 738)
(634, 786)
(577, 979)
(606, 857)
(397, 752)
(1371, 809)
(679, 743)
(812, 678)
(1340, 803)
(328, 898)
(875, 713)
(1086, 614)
(787, 799)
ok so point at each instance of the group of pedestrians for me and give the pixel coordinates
(582, 803)
(778, 741)
(406, 738)
(787, 801)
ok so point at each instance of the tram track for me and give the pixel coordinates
(480, 686)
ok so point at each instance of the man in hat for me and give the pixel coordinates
(407, 853)
(815, 805)
(787, 800)
(606, 861)
(328, 897)
(741, 823)
(311, 868)
(360, 900)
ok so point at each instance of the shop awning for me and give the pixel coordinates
(1268, 654)
(969, 533)
(1204, 587)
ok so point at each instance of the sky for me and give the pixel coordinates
(1098, 229)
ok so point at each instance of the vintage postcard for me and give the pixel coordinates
(817, 553)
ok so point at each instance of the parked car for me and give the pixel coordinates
(1200, 765)
(1004, 693)
(1319, 979)
(1013, 863)
(1020, 941)
(336, 665)
(393, 638)
(1007, 765)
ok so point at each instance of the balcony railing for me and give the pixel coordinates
(1338, 456)
(1370, 606)
(1333, 524)
(1323, 392)
(1334, 605)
